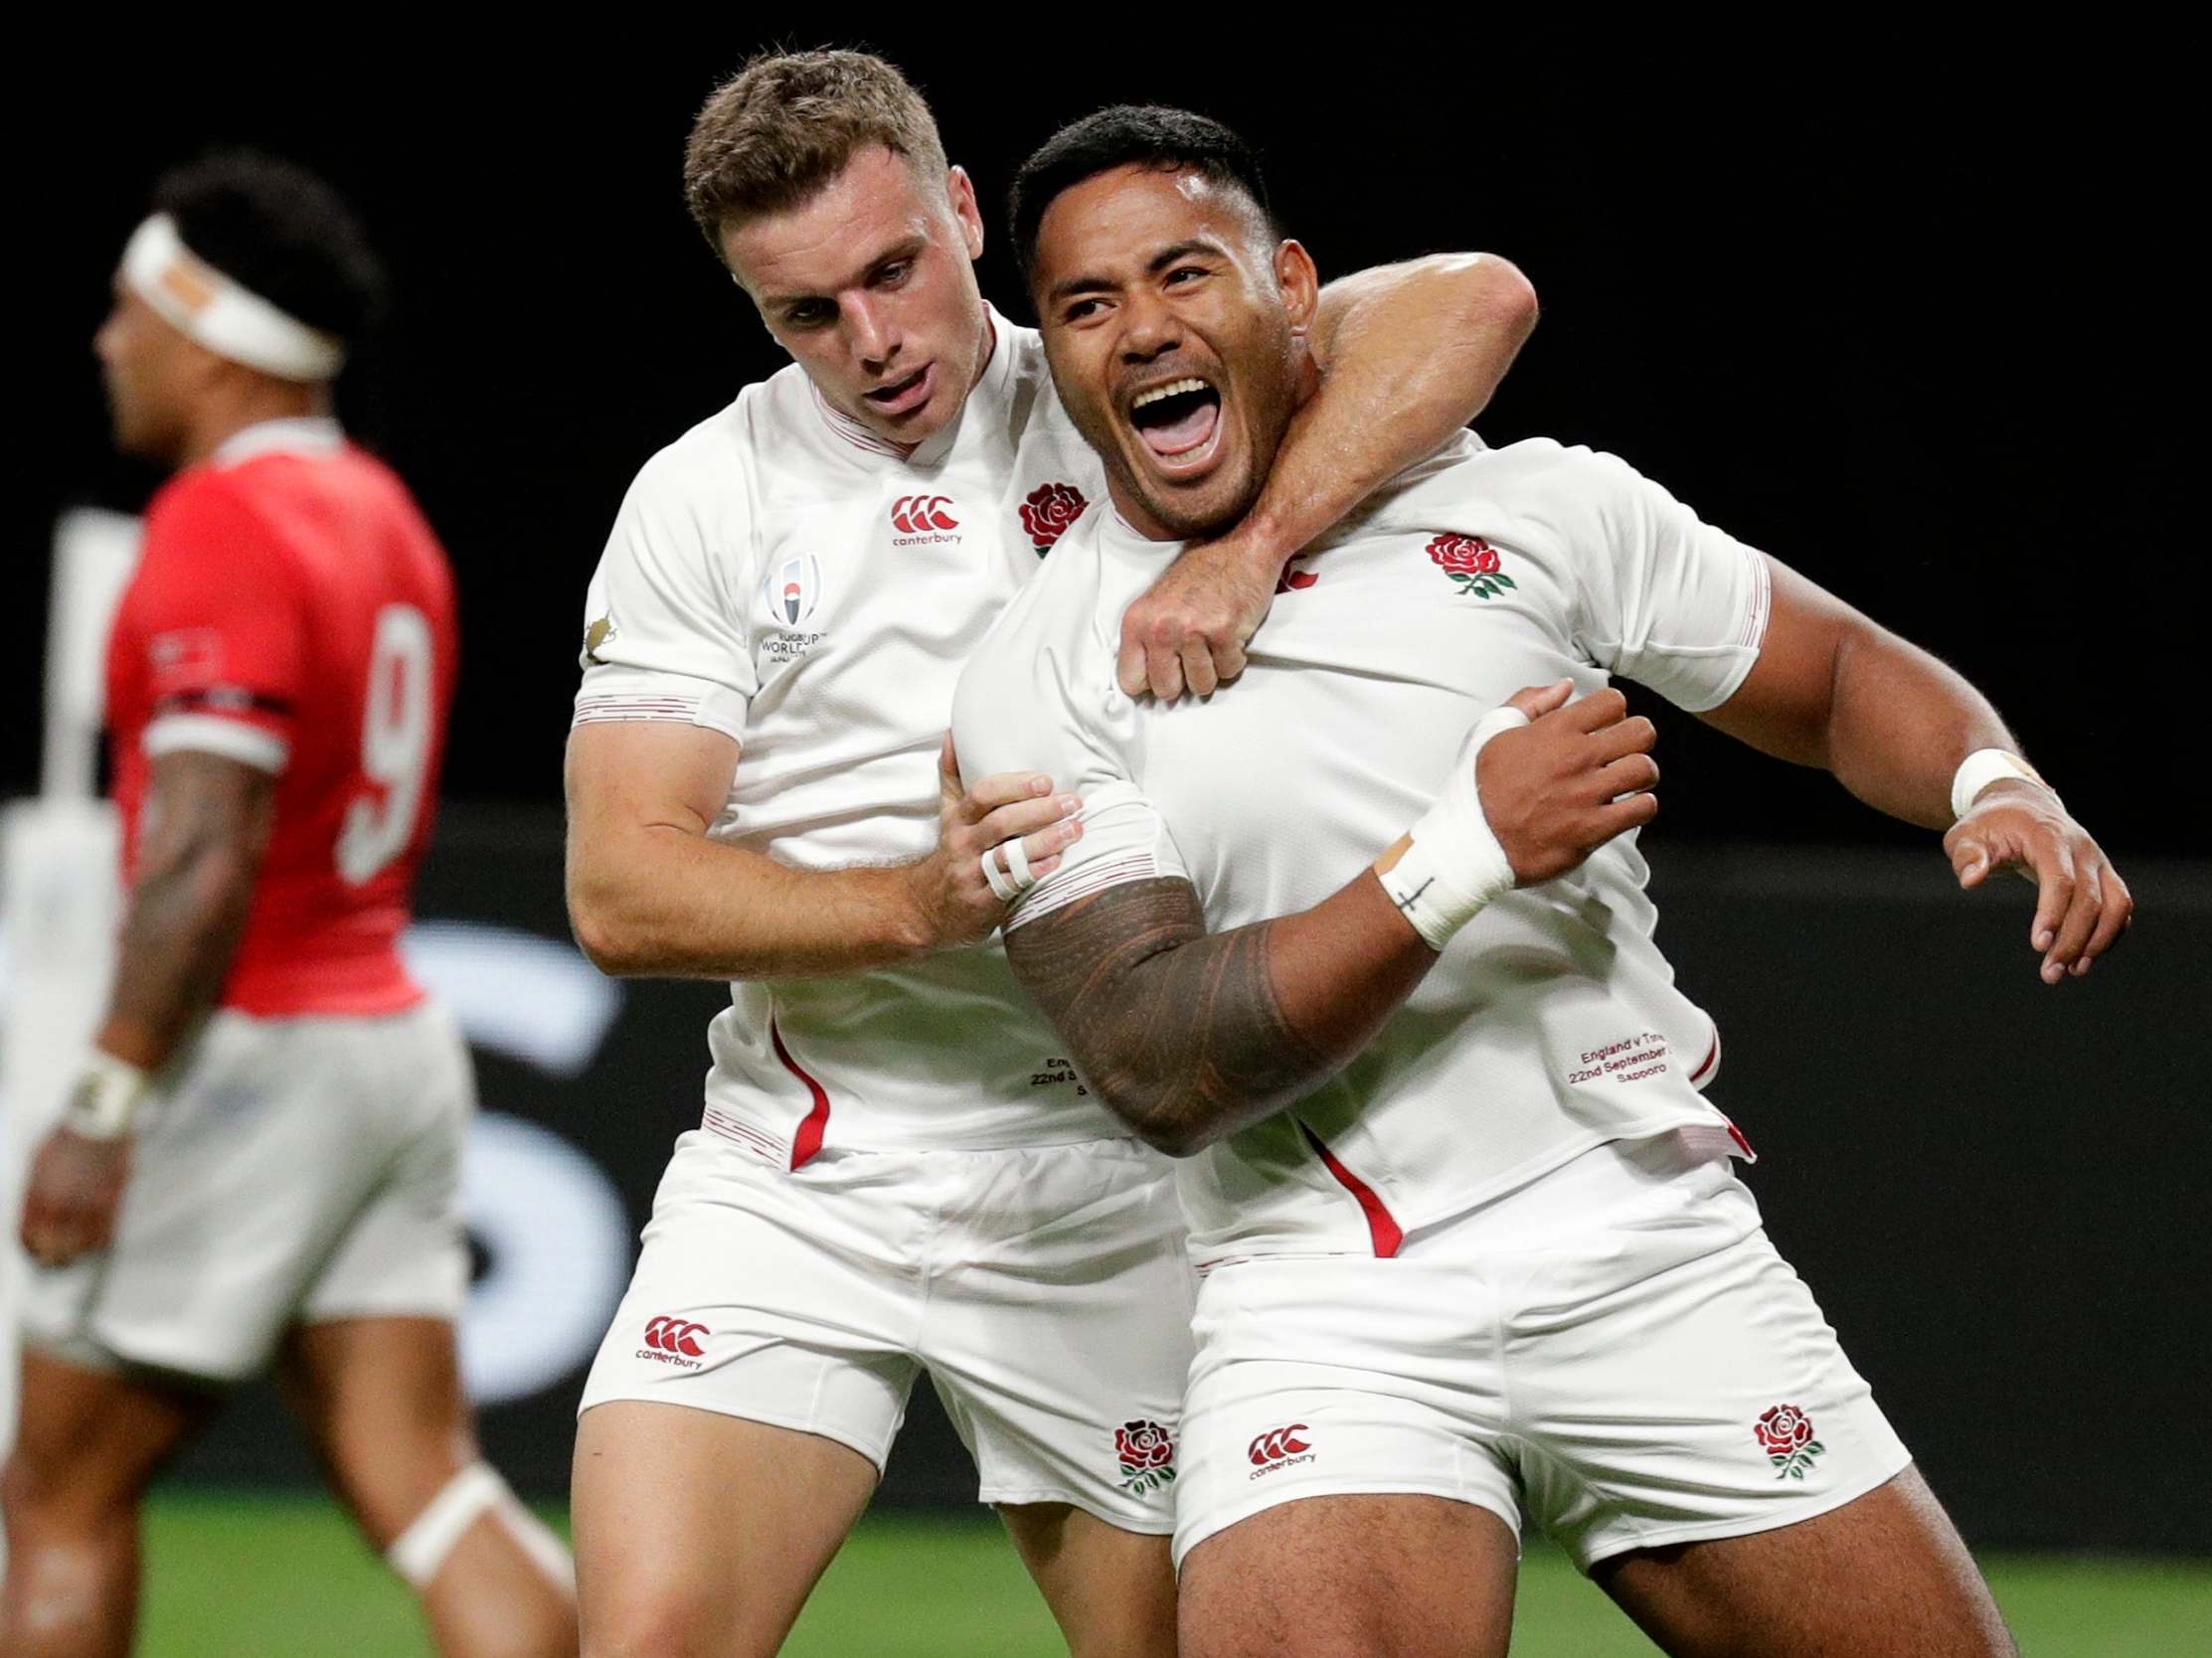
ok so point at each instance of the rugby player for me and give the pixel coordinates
(898, 1171)
(1472, 1251)
(261, 1163)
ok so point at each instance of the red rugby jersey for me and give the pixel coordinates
(293, 610)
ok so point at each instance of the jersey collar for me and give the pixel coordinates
(304, 435)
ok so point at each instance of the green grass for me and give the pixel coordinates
(283, 1577)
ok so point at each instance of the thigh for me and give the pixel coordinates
(702, 1533)
(1110, 1590)
(402, 1252)
(245, 1177)
(89, 1441)
(1061, 1341)
(1403, 1576)
(382, 1404)
(789, 1301)
(1883, 1577)
(1707, 1399)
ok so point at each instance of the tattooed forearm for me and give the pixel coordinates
(206, 823)
(1190, 1036)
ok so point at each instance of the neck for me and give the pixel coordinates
(221, 418)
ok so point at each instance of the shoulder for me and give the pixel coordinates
(707, 466)
(1538, 486)
(1049, 629)
(209, 512)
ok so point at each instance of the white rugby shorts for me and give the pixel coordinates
(1615, 1353)
(294, 1171)
(1045, 1291)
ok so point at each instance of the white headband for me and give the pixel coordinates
(203, 305)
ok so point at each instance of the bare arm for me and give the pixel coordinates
(207, 822)
(1834, 690)
(1409, 355)
(1190, 1036)
(650, 894)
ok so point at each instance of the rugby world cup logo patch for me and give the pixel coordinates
(792, 588)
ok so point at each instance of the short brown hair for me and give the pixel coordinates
(787, 122)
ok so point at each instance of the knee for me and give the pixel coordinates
(48, 1506)
(646, 1625)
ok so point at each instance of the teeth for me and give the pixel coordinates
(1177, 388)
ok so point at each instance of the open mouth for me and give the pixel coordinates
(1178, 421)
(903, 397)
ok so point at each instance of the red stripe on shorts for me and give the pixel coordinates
(1384, 1229)
(809, 1139)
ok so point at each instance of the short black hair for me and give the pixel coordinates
(284, 233)
(1131, 134)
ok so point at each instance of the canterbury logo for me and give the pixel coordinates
(914, 514)
(1278, 1443)
(673, 1335)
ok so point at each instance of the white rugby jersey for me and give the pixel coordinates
(782, 575)
(1552, 1023)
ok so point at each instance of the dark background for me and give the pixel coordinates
(1910, 316)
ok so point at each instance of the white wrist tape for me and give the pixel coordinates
(1455, 864)
(230, 320)
(418, 1552)
(1985, 766)
(1010, 887)
(105, 1099)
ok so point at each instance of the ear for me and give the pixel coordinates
(1300, 285)
(959, 190)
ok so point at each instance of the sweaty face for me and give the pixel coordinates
(1174, 326)
(870, 286)
(146, 368)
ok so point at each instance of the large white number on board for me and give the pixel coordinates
(394, 745)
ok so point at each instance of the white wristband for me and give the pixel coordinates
(1985, 766)
(105, 1097)
(1455, 864)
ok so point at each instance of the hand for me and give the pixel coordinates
(1188, 630)
(955, 901)
(2082, 906)
(1578, 775)
(77, 1186)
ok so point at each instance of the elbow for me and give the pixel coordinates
(1499, 295)
(607, 941)
(1163, 1121)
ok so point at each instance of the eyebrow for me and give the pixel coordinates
(1152, 267)
(907, 248)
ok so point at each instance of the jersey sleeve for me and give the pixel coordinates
(217, 611)
(1027, 705)
(1668, 601)
(664, 636)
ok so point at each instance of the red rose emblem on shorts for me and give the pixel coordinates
(1785, 1433)
(1048, 512)
(1470, 562)
(1142, 1444)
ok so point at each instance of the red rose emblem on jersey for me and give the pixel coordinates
(1048, 512)
(1785, 1433)
(1142, 1444)
(1471, 563)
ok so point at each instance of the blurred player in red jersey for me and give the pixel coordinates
(261, 1162)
